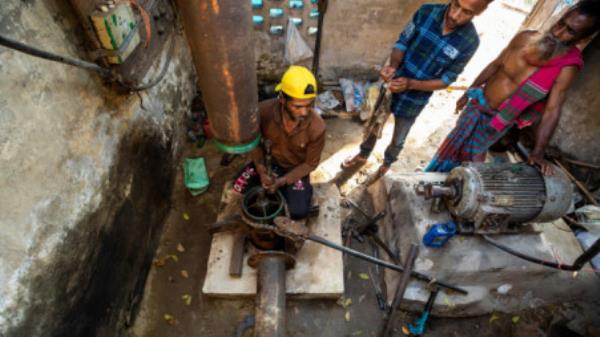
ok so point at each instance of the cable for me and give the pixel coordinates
(577, 265)
(160, 76)
(9, 43)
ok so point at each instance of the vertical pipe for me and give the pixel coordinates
(220, 36)
(270, 297)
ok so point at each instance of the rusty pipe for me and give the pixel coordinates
(270, 292)
(219, 33)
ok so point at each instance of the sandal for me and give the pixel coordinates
(353, 161)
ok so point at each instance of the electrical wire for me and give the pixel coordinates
(33, 51)
(577, 265)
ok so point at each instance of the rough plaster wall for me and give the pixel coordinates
(579, 126)
(358, 35)
(63, 137)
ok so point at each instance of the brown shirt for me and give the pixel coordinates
(298, 152)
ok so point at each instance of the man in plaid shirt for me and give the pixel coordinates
(431, 52)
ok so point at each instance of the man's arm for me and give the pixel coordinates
(550, 118)
(313, 157)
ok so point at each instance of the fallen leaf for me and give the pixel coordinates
(174, 257)
(516, 319)
(184, 274)
(180, 248)
(186, 216)
(169, 318)
(344, 302)
(361, 298)
(405, 330)
(363, 276)
(493, 317)
(161, 261)
(347, 316)
(187, 299)
(448, 302)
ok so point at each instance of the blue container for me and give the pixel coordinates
(297, 21)
(257, 4)
(276, 12)
(314, 1)
(439, 234)
(258, 20)
(314, 13)
(276, 30)
(297, 4)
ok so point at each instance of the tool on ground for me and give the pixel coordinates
(439, 234)
(378, 294)
(418, 328)
(370, 229)
(399, 295)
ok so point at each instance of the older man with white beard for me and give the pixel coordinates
(525, 86)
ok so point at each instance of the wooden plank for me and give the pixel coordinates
(318, 272)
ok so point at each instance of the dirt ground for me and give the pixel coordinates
(174, 305)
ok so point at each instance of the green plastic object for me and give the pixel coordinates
(195, 175)
(238, 149)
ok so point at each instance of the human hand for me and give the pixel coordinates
(387, 73)
(266, 181)
(542, 164)
(277, 183)
(460, 104)
(399, 84)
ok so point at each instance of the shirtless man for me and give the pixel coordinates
(526, 84)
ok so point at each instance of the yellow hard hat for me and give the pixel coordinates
(298, 82)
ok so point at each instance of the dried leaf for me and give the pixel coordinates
(361, 298)
(493, 317)
(448, 302)
(347, 316)
(186, 216)
(174, 257)
(161, 261)
(405, 330)
(184, 274)
(180, 248)
(169, 318)
(344, 302)
(363, 276)
(187, 299)
(516, 319)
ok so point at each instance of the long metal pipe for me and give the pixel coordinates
(220, 36)
(270, 297)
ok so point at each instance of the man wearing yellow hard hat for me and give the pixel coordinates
(297, 136)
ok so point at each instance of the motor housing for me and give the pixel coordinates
(495, 196)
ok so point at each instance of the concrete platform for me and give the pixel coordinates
(318, 272)
(496, 281)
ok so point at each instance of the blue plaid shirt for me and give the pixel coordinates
(429, 55)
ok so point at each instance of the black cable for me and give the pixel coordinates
(160, 76)
(577, 265)
(4, 41)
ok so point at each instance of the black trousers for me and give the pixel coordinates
(297, 196)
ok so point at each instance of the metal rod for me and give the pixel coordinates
(582, 188)
(270, 297)
(360, 255)
(399, 295)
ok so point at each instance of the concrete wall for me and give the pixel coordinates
(358, 35)
(85, 179)
(578, 131)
